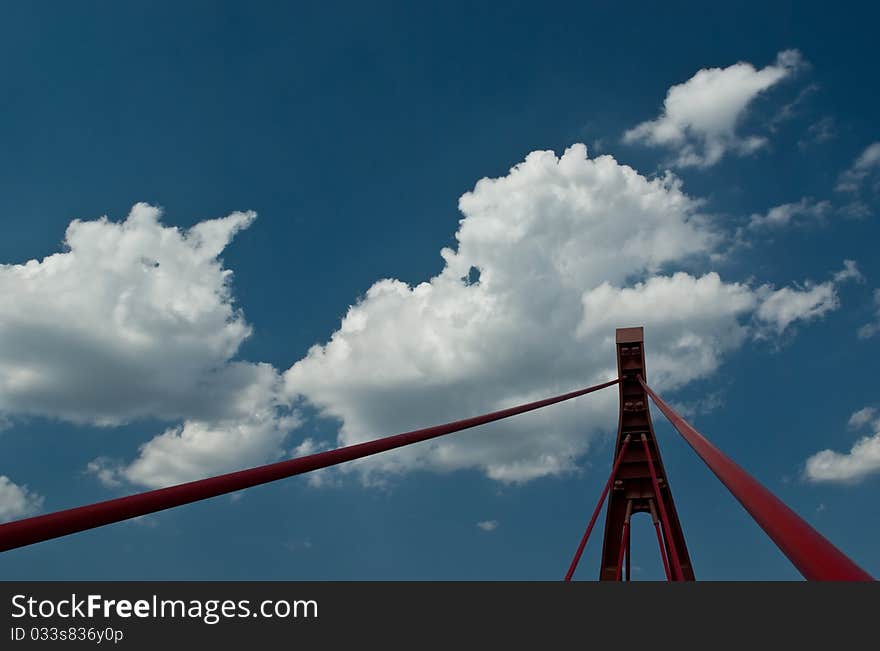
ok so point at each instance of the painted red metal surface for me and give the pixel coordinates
(580, 550)
(641, 479)
(61, 523)
(664, 517)
(810, 552)
(625, 542)
(662, 550)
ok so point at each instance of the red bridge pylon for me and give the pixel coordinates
(640, 484)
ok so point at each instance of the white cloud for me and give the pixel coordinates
(785, 214)
(317, 478)
(870, 329)
(567, 249)
(552, 229)
(126, 323)
(861, 461)
(197, 448)
(704, 405)
(488, 525)
(307, 447)
(782, 307)
(17, 501)
(790, 110)
(850, 271)
(136, 319)
(862, 417)
(106, 470)
(692, 321)
(700, 116)
(779, 308)
(868, 162)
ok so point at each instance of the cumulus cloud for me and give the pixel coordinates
(861, 461)
(125, 323)
(804, 210)
(17, 501)
(135, 319)
(565, 249)
(488, 525)
(540, 237)
(867, 163)
(695, 319)
(700, 116)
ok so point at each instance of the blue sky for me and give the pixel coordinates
(357, 136)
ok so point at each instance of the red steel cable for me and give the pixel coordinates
(662, 551)
(624, 541)
(61, 523)
(660, 540)
(810, 552)
(673, 552)
(589, 529)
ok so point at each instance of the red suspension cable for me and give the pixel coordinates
(660, 541)
(61, 523)
(806, 548)
(624, 541)
(670, 541)
(589, 529)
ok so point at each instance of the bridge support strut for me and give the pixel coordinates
(640, 483)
